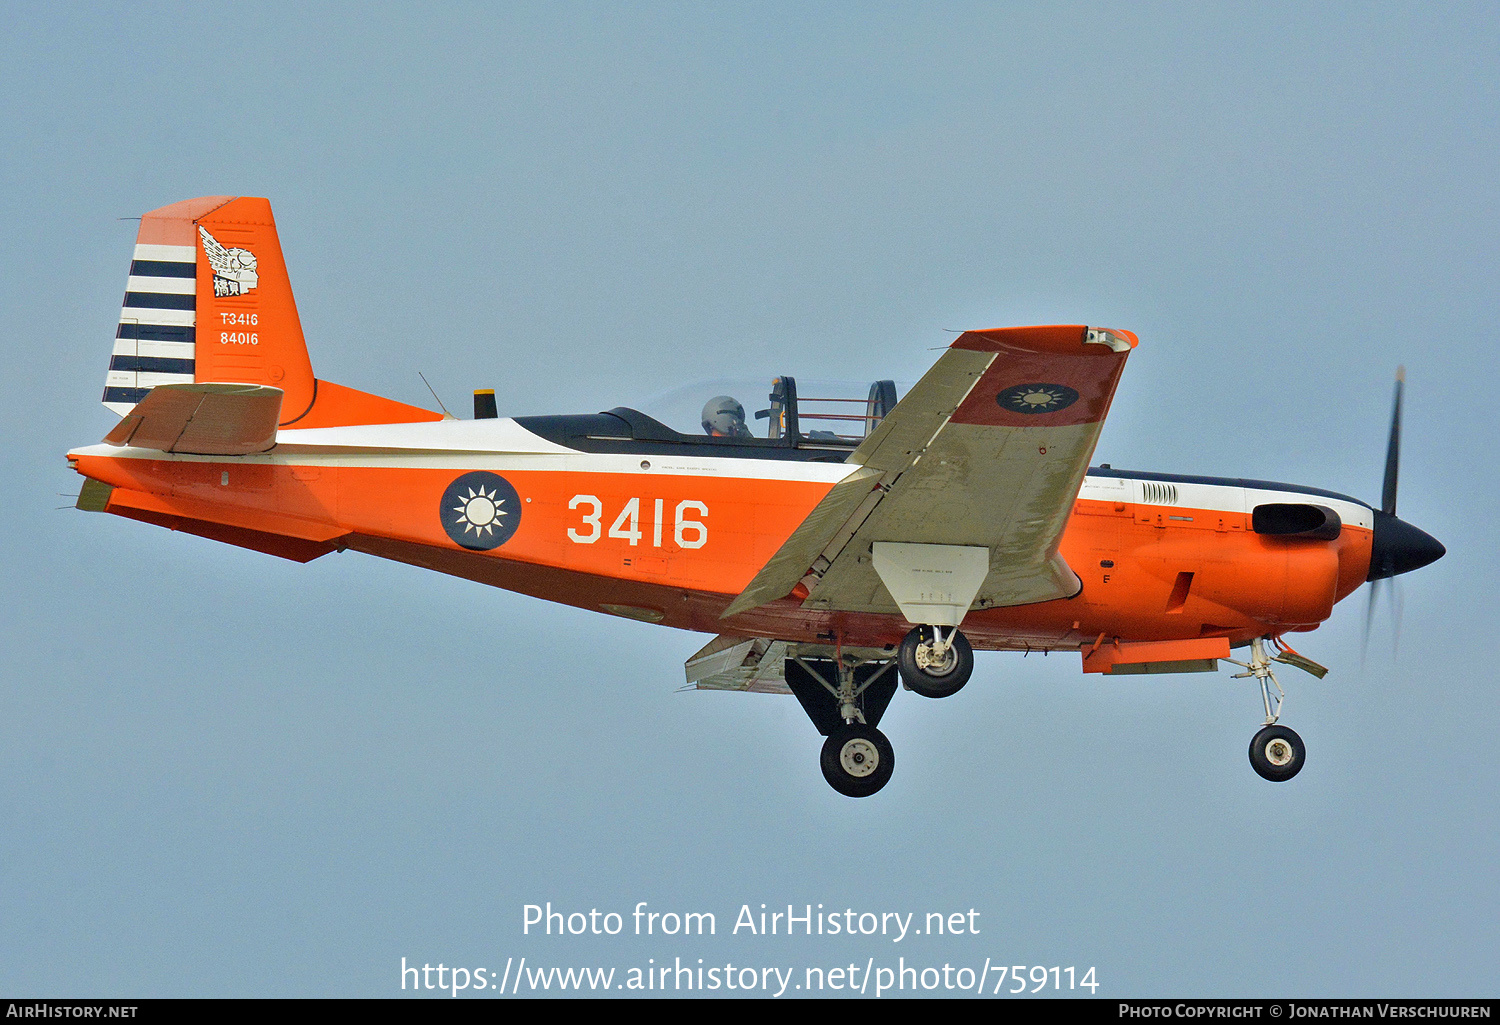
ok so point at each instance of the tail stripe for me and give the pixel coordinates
(122, 400)
(155, 342)
(144, 284)
(151, 364)
(162, 269)
(135, 330)
(163, 318)
(160, 301)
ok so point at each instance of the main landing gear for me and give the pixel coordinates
(845, 697)
(1276, 752)
(857, 760)
(935, 663)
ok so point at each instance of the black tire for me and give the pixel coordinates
(934, 681)
(857, 760)
(1277, 753)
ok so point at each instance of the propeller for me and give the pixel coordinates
(1402, 544)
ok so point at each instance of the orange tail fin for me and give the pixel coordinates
(209, 299)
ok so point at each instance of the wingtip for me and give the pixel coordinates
(1117, 339)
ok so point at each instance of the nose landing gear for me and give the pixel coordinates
(1276, 752)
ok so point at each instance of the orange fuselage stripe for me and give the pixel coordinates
(693, 542)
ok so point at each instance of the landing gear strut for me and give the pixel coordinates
(845, 698)
(934, 661)
(1276, 752)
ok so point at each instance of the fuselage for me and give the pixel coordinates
(669, 533)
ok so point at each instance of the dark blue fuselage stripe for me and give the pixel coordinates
(162, 269)
(152, 364)
(130, 395)
(160, 301)
(155, 332)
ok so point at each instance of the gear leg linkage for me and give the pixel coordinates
(1259, 667)
(941, 644)
(845, 692)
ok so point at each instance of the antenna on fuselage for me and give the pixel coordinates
(446, 415)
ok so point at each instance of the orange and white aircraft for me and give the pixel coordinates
(828, 565)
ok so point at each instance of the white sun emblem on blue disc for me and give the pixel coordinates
(480, 510)
(1037, 398)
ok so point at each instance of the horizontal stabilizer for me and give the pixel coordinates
(203, 418)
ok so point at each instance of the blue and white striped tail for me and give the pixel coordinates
(155, 342)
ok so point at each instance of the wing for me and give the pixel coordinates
(202, 418)
(987, 454)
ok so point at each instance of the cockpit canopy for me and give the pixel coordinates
(826, 413)
(775, 422)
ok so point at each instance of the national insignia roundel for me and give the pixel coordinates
(1036, 398)
(480, 510)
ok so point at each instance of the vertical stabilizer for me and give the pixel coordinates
(209, 300)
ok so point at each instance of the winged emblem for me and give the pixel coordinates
(234, 269)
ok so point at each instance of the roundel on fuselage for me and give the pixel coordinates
(1036, 398)
(480, 510)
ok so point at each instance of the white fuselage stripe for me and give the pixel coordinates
(502, 444)
(1215, 498)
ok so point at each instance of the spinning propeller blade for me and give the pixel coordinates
(1393, 450)
(1398, 547)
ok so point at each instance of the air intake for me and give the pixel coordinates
(1315, 522)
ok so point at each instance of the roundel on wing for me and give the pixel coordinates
(1036, 398)
(480, 510)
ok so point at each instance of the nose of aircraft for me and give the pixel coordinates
(1400, 548)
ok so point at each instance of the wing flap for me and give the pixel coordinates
(791, 561)
(202, 418)
(753, 664)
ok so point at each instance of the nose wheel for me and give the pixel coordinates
(1276, 753)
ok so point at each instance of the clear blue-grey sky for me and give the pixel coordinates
(223, 774)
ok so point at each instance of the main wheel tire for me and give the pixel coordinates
(1277, 753)
(930, 677)
(857, 760)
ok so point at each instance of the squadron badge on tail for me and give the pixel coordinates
(234, 269)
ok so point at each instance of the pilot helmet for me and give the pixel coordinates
(724, 417)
